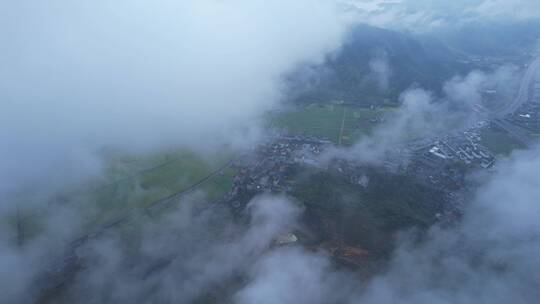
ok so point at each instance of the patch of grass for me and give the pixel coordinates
(130, 185)
(370, 216)
(219, 185)
(177, 172)
(341, 124)
(499, 142)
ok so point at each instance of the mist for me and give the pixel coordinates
(488, 257)
(79, 79)
(381, 71)
(138, 77)
(425, 16)
(422, 114)
(178, 258)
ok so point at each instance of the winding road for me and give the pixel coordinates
(523, 94)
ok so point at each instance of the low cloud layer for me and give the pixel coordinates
(380, 71)
(185, 256)
(139, 76)
(423, 115)
(78, 77)
(489, 257)
(135, 76)
(425, 15)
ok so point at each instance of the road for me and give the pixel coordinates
(523, 93)
(173, 197)
(523, 96)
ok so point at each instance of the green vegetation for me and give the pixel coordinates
(130, 185)
(365, 216)
(412, 59)
(175, 173)
(499, 142)
(342, 124)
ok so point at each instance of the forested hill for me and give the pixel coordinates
(375, 65)
(495, 39)
(371, 57)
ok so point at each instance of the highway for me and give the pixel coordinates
(498, 117)
(523, 93)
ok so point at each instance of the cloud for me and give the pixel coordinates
(416, 112)
(488, 258)
(22, 264)
(426, 16)
(381, 71)
(134, 76)
(293, 275)
(466, 91)
(183, 257)
(520, 9)
(423, 115)
(138, 76)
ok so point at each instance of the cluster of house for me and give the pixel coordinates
(441, 162)
(465, 148)
(268, 169)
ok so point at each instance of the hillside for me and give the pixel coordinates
(371, 56)
(494, 39)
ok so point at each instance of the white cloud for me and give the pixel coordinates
(425, 15)
(140, 75)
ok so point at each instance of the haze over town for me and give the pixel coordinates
(250, 151)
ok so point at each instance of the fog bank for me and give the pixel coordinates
(140, 76)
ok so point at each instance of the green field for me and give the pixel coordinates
(168, 174)
(340, 124)
(130, 185)
(498, 142)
